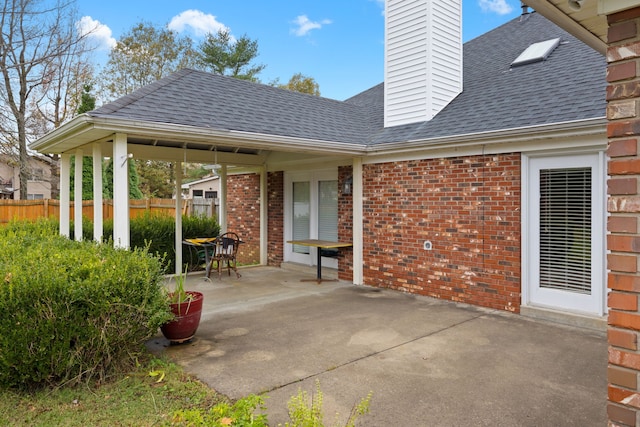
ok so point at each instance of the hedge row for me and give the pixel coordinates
(157, 233)
(73, 311)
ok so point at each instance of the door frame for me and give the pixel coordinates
(550, 298)
(313, 176)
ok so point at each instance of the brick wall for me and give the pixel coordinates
(468, 207)
(275, 215)
(623, 241)
(243, 214)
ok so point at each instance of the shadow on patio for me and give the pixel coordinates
(428, 362)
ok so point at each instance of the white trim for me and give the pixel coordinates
(607, 7)
(222, 219)
(313, 177)
(177, 170)
(264, 217)
(595, 304)
(98, 228)
(120, 159)
(65, 194)
(85, 129)
(77, 195)
(566, 22)
(358, 227)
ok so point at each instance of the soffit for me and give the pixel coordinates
(585, 23)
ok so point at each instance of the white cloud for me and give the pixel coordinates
(199, 22)
(381, 5)
(97, 31)
(304, 25)
(501, 7)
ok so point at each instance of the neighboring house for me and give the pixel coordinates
(39, 183)
(204, 196)
(204, 188)
(474, 174)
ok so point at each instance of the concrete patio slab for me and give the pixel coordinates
(427, 362)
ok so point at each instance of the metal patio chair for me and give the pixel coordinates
(224, 254)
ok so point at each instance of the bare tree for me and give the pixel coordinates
(40, 67)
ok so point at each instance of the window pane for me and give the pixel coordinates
(301, 202)
(565, 229)
(328, 210)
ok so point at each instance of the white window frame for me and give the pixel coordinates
(551, 298)
(313, 177)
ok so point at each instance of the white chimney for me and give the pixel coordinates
(423, 58)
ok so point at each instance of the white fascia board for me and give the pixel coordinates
(531, 138)
(63, 136)
(77, 126)
(607, 7)
(558, 17)
(183, 133)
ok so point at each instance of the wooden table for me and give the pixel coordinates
(320, 244)
(207, 244)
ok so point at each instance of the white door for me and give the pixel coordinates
(311, 212)
(565, 238)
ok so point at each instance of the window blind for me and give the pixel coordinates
(328, 210)
(565, 229)
(301, 218)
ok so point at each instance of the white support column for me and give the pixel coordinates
(65, 193)
(358, 242)
(77, 196)
(264, 234)
(178, 190)
(222, 220)
(97, 192)
(121, 234)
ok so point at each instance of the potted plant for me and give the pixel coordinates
(186, 307)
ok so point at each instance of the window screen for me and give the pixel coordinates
(565, 229)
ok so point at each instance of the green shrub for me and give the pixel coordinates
(73, 311)
(157, 232)
(87, 229)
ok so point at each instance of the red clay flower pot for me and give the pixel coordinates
(187, 318)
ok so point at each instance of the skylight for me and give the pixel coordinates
(536, 52)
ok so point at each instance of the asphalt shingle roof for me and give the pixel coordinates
(568, 86)
(202, 99)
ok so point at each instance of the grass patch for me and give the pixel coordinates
(149, 396)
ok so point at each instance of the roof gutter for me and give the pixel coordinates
(76, 126)
(185, 133)
(558, 17)
(579, 128)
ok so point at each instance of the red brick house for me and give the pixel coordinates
(475, 173)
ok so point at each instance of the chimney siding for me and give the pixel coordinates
(423, 58)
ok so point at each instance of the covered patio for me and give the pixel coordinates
(219, 129)
(427, 361)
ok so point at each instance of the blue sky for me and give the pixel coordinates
(337, 42)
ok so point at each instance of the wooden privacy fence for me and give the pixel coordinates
(34, 209)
